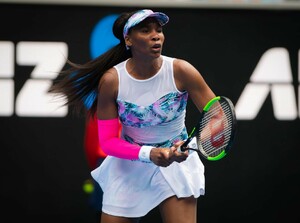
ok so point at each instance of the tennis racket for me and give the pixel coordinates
(214, 133)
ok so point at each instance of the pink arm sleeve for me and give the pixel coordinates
(111, 144)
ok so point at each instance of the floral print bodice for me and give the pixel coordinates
(164, 110)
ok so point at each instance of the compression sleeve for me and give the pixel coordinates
(111, 144)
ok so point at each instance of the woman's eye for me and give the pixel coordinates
(144, 30)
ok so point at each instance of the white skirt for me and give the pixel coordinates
(133, 188)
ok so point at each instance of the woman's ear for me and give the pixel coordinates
(127, 41)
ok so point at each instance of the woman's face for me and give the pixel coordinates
(146, 38)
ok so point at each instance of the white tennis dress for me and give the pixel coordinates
(152, 112)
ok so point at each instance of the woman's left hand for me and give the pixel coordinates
(177, 156)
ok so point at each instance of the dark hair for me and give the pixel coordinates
(78, 85)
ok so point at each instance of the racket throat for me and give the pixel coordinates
(189, 144)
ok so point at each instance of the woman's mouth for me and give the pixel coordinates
(156, 46)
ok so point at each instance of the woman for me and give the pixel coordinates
(147, 92)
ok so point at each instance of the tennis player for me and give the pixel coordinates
(147, 92)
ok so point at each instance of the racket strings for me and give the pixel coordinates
(215, 129)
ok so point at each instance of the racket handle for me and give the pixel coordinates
(183, 147)
(180, 149)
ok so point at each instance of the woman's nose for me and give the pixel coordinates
(155, 36)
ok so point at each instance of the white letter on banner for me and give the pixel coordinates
(272, 74)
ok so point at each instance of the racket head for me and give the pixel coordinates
(215, 130)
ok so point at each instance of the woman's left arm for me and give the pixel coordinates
(188, 78)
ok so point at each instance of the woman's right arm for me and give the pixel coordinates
(108, 121)
(107, 95)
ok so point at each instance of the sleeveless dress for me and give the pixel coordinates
(152, 112)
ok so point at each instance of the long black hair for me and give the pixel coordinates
(78, 85)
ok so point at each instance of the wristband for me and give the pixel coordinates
(144, 154)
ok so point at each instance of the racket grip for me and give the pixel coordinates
(183, 147)
(179, 150)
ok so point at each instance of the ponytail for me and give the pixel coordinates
(78, 85)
